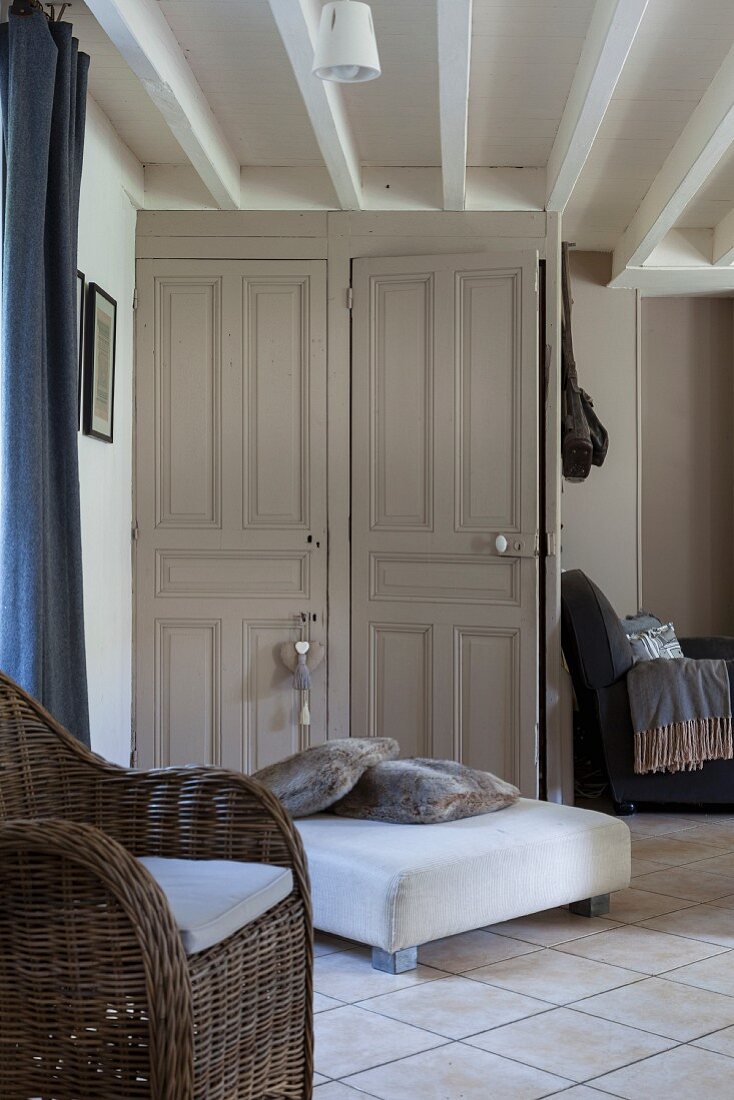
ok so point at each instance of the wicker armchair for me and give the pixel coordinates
(98, 1000)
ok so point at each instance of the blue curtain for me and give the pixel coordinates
(43, 83)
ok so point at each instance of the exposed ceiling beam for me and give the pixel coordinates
(297, 23)
(672, 281)
(614, 24)
(705, 138)
(723, 250)
(454, 51)
(140, 32)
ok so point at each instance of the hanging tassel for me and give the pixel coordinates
(305, 715)
(301, 675)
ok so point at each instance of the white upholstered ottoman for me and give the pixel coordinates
(395, 887)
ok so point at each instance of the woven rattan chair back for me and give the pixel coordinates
(98, 1000)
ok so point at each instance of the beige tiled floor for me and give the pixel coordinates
(640, 1004)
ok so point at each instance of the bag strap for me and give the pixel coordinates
(570, 375)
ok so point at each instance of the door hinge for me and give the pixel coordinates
(550, 544)
(135, 298)
(135, 533)
(349, 297)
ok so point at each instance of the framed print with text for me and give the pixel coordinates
(99, 363)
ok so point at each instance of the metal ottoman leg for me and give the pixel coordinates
(395, 962)
(591, 907)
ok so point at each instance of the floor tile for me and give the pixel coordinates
(455, 1007)
(337, 1090)
(319, 1079)
(578, 1092)
(656, 824)
(706, 833)
(571, 1044)
(641, 949)
(349, 1040)
(637, 903)
(673, 851)
(553, 976)
(721, 1041)
(688, 882)
(687, 1073)
(322, 1003)
(715, 973)
(551, 927)
(719, 865)
(663, 1007)
(324, 944)
(644, 867)
(349, 976)
(457, 1071)
(455, 954)
(725, 903)
(704, 922)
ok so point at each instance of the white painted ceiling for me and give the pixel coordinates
(524, 54)
(673, 59)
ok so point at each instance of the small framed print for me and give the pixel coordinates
(81, 285)
(99, 363)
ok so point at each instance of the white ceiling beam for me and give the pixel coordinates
(614, 24)
(705, 138)
(142, 35)
(723, 249)
(297, 21)
(454, 53)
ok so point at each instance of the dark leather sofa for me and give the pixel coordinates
(599, 656)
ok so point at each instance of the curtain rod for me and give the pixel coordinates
(27, 7)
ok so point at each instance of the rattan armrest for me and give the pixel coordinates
(91, 912)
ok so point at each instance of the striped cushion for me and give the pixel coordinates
(650, 645)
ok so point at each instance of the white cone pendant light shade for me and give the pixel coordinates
(346, 48)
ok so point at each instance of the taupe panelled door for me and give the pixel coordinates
(445, 508)
(231, 507)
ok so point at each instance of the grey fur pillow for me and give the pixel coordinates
(309, 782)
(425, 792)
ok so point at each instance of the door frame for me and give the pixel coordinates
(338, 237)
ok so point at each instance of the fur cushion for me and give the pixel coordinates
(309, 782)
(425, 792)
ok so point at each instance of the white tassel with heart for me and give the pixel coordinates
(302, 682)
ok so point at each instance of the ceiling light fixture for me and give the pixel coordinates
(346, 48)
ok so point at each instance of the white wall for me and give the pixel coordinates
(600, 523)
(107, 256)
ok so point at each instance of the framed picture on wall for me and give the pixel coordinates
(81, 285)
(99, 363)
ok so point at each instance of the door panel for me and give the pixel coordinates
(401, 671)
(276, 477)
(187, 386)
(401, 377)
(444, 459)
(231, 551)
(187, 724)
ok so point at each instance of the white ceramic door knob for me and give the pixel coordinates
(501, 544)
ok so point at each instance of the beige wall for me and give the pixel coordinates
(687, 453)
(600, 514)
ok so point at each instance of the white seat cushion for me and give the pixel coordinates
(212, 898)
(396, 886)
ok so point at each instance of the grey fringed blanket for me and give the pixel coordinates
(681, 714)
